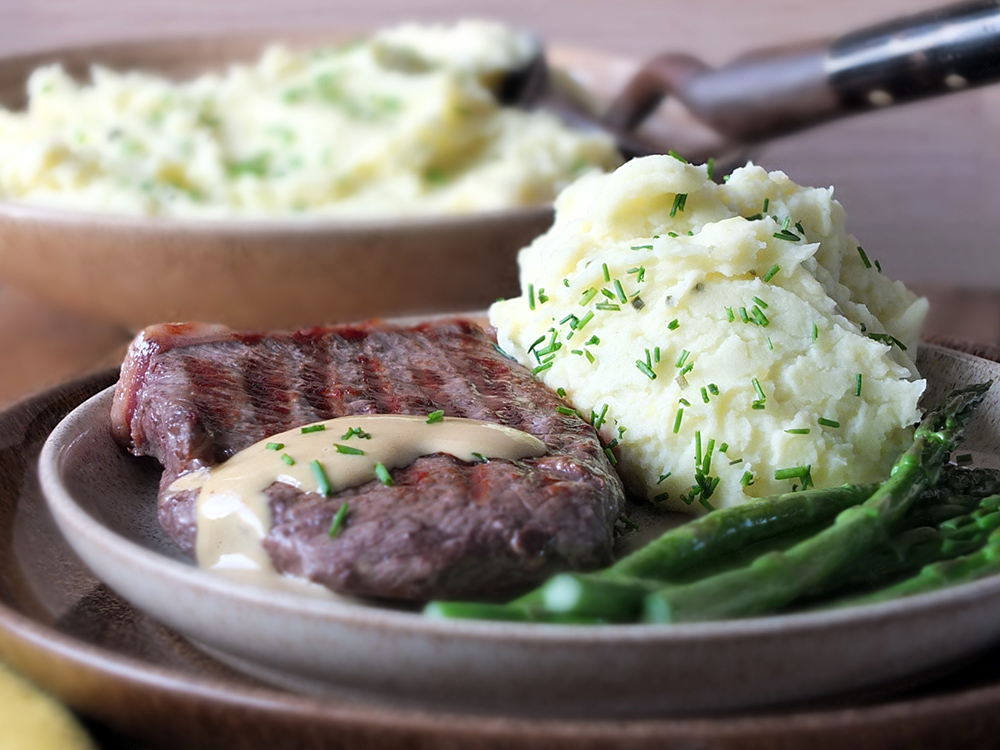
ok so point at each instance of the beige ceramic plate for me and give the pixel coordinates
(263, 274)
(103, 500)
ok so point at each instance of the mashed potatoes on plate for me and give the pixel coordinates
(406, 122)
(729, 341)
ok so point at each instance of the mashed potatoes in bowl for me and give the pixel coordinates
(728, 341)
(404, 122)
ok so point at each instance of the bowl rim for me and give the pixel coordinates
(67, 511)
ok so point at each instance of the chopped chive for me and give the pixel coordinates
(656, 354)
(798, 431)
(684, 401)
(886, 338)
(649, 358)
(437, 416)
(771, 274)
(673, 324)
(736, 461)
(588, 296)
(760, 317)
(607, 306)
(358, 432)
(815, 331)
(561, 392)
(799, 229)
(539, 340)
(321, 479)
(645, 369)
(706, 464)
(341, 514)
(711, 168)
(743, 315)
(288, 459)
(611, 456)
(760, 303)
(566, 410)
(274, 446)
(730, 314)
(824, 422)
(608, 293)
(607, 274)
(542, 367)
(672, 234)
(747, 479)
(598, 421)
(793, 472)
(584, 320)
(758, 405)
(864, 257)
(566, 283)
(621, 292)
(770, 346)
(857, 385)
(565, 320)
(759, 390)
(531, 296)
(683, 358)
(542, 297)
(680, 200)
(697, 447)
(686, 369)
(787, 236)
(642, 247)
(677, 420)
(663, 477)
(677, 156)
(704, 394)
(785, 223)
(767, 202)
(640, 270)
(383, 475)
(313, 428)
(713, 389)
(723, 448)
(755, 217)
(348, 450)
(589, 356)
(481, 458)
(878, 266)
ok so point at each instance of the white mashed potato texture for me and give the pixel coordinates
(728, 340)
(405, 122)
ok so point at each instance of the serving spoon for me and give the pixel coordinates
(777, 91)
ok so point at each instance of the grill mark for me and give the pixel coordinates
(347, 393)
(205, 377)
(265, 380)
(315, 365)
(378, 384)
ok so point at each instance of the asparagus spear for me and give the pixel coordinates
(773, 580)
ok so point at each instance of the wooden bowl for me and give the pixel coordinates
(267, 273)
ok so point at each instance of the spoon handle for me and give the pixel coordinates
(777, 91)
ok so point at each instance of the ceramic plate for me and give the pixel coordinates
(104, 501)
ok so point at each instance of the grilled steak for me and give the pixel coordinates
(193, 395)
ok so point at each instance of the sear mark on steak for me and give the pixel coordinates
(193, 395)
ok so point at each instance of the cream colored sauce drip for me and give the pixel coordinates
(233, 514)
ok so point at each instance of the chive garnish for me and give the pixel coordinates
(677, 156)
(663, 477)
(584, 320)
(798, 431)
(864, 257)
(886, 338)
(684, 401)
(640, 271)
(760, 317)
(566, 410)
(608, 293)
(607, 274)
(713, 389)
(274, 446)
(758, 405)
(730, 314)
(566, 283)
(656, 354)
(711, 168)
(561, 392)
(787, 236)
(723, 448)
(531, 296)
(770, 346)
(348, 450)
(438, 416)
(857, 385)
(288, 459)
(565, 320)
(706, 464)
(621, 292)
(760, 303)
(767, 202)
(358, 432)
(878, 266)
(793, 472)
(383, 474)
(799, 229)
(608, 306)
(642, 247)
(736, 461)
(686, 369)
(673, 324)
(704, 394)
(313, 428)
(338, 518)
(697, 447)
(771, 274)
(683, 358)
(539, 340)
(747, 479)
(588, 296)
(679, 202)
(743, 315)
(321, 480)
(542, 297)
(598, 420)
(759, 390)
(672, 234)
(645, 369)
(815, 331)
(823, 421)
(677, 420)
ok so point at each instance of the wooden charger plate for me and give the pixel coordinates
(73, 636)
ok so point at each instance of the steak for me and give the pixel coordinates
(192, 395)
